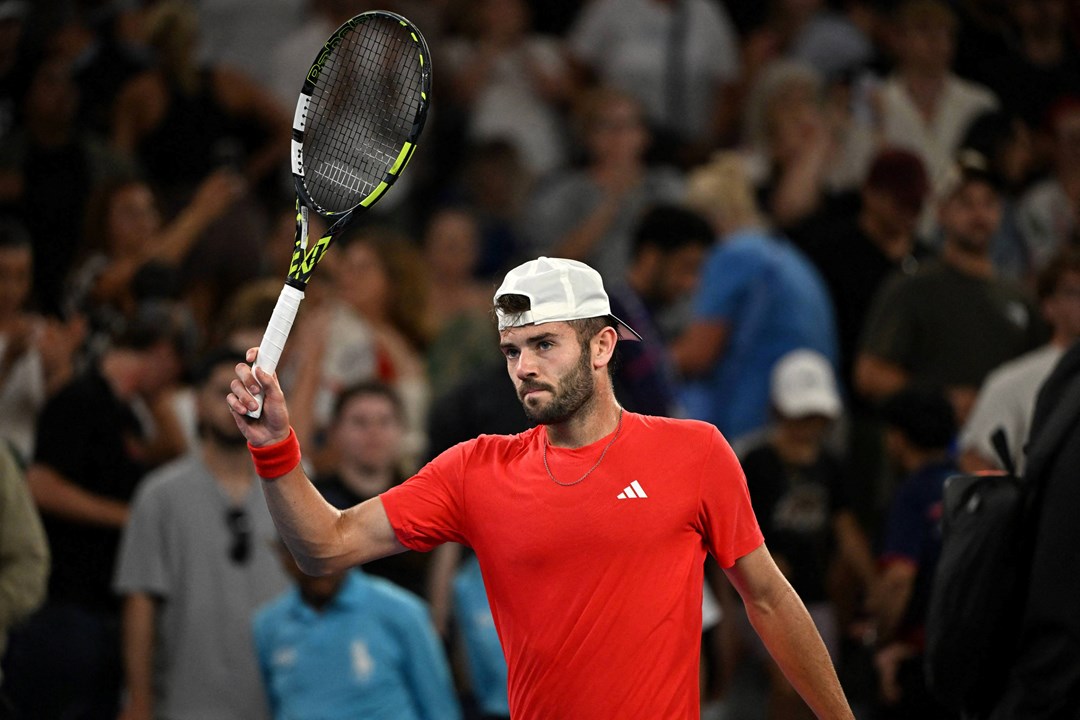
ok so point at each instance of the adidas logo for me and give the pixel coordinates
(632, 491)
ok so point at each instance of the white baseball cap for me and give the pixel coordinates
(558, 290)
(803, 384)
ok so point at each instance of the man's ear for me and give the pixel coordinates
(603, 346)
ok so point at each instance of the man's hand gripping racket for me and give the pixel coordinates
(360, 112)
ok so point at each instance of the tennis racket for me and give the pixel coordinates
(359, 115)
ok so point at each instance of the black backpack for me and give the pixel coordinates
(979, 587)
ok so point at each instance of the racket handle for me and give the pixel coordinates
(277, 332)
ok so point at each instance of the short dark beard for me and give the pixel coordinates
(577, 389)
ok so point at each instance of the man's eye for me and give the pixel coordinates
(544, 345)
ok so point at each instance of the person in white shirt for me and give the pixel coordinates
(924, 106)
(676, 58)
(1007, 398)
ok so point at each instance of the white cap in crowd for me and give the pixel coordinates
(803, 384)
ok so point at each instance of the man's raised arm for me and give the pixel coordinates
(320, 537)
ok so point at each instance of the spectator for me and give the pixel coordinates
(589, 214)
(1042, 683)
(196, 561)
(348, 645)
(24, 555)
(371, 327)
(678, 60)
(131, 254)
(923, 106)
(670, 245)
(796, 488)
(1007, 398)
(1047, 213)
(812, 32)
(953, 321)
(114, 52)
(37, 355)
(48, 171)
(458, 305)
(511, 83)
(758, 299)
(858, 252)
(483, 654)
(804, 158)
(367, 437)
(1041, 64)
(181, 121)
(1009, 148)
(494, 185)
(90, 453)
(920, 426)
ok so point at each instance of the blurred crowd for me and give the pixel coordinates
(847, 229)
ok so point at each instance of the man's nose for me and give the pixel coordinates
(526, 366)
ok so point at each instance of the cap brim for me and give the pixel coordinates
(626, 332)
(821, 405)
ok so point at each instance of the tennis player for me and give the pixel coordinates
(591, 528)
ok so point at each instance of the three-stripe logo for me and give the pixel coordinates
(632, 492)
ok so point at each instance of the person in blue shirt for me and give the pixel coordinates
(758, 299)
(350, 645)
(483, 652)
(920, 427)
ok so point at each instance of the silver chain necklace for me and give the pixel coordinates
(618, 429)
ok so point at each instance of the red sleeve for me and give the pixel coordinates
(428, 508)
(726, 517)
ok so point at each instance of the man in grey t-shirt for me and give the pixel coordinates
(196, 560)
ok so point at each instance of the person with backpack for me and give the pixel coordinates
(1044, 668)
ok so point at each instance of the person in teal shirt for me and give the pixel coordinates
(483, 652)
(350, 645)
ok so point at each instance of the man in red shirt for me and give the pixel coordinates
(591, 528)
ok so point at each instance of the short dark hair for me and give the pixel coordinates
(670, 228)
(365, 388)
(924, 416)
(1067, 260)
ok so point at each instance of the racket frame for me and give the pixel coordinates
(306, 257)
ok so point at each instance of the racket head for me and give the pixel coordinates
(362, 108)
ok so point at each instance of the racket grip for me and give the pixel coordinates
(277, 332)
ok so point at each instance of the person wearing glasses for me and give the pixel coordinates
(197, 558)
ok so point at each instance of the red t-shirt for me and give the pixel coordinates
(595, 588)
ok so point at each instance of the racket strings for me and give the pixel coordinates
(361, 114)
